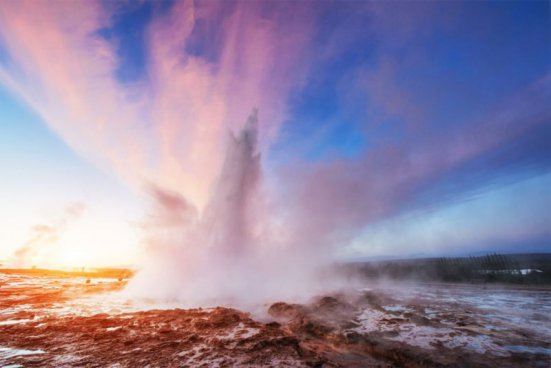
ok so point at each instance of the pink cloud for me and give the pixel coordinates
(170, 129)
(329, 202)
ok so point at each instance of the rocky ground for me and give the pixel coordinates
(53, 321)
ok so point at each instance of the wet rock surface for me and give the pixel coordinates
(66, 322)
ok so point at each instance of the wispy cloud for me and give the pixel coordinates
(43, 238)
(339, 197)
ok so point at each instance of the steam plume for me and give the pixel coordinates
(228, 252)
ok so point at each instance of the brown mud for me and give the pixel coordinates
(37, 329)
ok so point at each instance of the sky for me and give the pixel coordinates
(400, 129)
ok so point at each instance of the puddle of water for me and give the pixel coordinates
(471, 317)
(6, 352)
(528, 349)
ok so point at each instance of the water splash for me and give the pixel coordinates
(229, 217)
(226, 254)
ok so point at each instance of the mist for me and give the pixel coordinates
(239, 250)
(272, 201)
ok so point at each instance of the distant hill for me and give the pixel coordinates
(508, 268)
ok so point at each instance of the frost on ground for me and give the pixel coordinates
(65, 322)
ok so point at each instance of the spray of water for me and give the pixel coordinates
(231, 253)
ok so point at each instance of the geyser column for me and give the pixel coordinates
(228, 221)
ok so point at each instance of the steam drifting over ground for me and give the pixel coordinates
(52, 319)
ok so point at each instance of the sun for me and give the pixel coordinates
(95, 241)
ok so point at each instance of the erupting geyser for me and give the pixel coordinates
(227, 253)
(230, 218)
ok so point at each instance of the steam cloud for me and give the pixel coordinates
(217, 230)
(229, 253)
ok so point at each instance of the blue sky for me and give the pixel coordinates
(400, 125)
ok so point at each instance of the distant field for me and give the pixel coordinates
(115, 273)
(501, 268)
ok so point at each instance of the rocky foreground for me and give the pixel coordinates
(41, 325)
